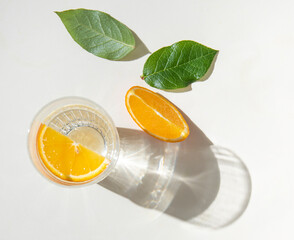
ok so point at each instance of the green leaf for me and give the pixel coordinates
(178, 65)
(98, 33)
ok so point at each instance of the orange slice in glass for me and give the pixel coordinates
(67, 159)
(156, 115)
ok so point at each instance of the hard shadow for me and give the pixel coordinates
(234, 192)
(196, 177)
(210, 70)
(144, 169)
(193, 181)
(139, 51)
(180, 90)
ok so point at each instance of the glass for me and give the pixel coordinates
(83, 121)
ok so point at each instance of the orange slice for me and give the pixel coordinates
(67, 159)
(156, 115)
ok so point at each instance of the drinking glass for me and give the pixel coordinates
(86, 123)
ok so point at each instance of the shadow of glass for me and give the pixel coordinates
(196, 175)
(139, 51)
(144, 169)
(194, 180)
(234, 192)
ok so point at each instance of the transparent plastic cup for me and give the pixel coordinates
(83, 121)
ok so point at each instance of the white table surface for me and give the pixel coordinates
(246, 107)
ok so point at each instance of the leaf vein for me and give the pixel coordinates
(121, 37)
(116, 50)
(94, 30)
(169, 57)
(180, 54)
(100, 44)
(212, 53)
(179, 77)
(100, 24)
(158, 60)
(168, 80)
(89, 22)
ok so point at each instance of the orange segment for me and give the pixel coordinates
(156, 115)
(67, 159)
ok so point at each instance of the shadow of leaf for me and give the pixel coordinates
(210, 70)
(139, 51)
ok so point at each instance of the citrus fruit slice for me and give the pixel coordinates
(156, 115)
(67, 159)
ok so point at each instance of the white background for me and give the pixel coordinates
(246, 106)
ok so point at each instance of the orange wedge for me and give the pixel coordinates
(156, 115)
(67, 159)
